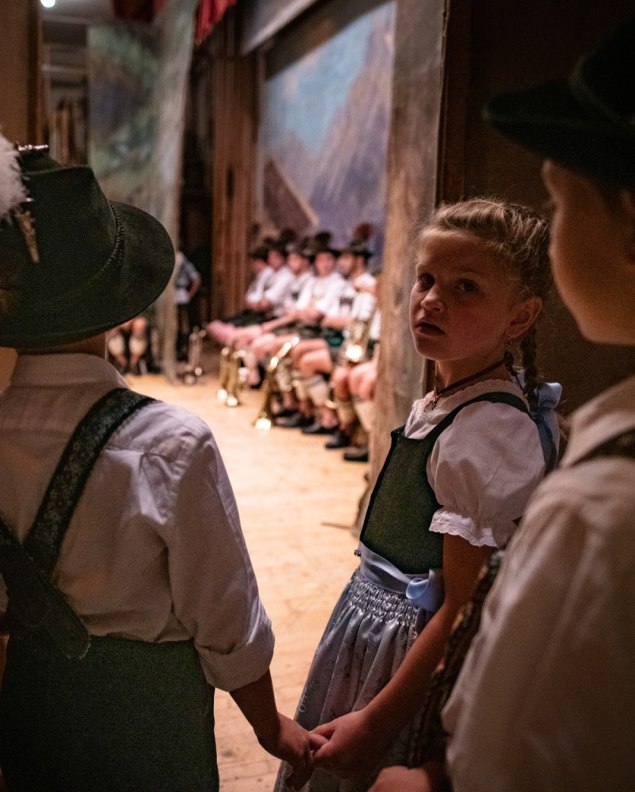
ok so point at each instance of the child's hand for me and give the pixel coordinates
(291, 744)
(404, 779)
(353, 747)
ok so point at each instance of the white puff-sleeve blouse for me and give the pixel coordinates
(483, 467)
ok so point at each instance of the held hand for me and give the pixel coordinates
(404, 779)
(353, 746)
(291, 744)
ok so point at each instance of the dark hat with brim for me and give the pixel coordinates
(302, 249)
(585, 123)
(96, 264)
(357, 247)
(260, 253)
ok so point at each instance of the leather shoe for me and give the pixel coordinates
(356, 455)
(316, 428)
(339, 439)
(297, 421)
(285, 412)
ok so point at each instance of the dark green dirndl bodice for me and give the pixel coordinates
(403, 503)
(81, 713)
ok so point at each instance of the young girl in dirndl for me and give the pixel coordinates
(451, 491)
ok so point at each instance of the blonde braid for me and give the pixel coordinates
(528, 357)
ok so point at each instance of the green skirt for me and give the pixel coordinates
(129, 717)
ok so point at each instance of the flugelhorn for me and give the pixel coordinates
(355, 347)
(229, 376)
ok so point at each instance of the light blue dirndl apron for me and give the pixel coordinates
(391, 596)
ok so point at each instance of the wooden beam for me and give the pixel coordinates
(234, 120)
(412, 193)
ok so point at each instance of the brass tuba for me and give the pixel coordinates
(271, 387)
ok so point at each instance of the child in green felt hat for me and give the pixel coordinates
(130, 595)
(546, 696)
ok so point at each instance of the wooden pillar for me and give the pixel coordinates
(20, 95)
(412, 192)
(20, 80)
(234, 124)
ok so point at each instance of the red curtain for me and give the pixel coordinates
(136, 10)
(210, 13)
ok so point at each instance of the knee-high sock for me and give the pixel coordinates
(116, 344)
(138, 345)
(284, 377)
(251, 361)
(317, 389)
(345, 411)
(365, 409)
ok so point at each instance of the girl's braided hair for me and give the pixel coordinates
(519, 236)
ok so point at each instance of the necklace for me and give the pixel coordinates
(436, 393)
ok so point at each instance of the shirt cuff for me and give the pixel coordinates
(243, 665)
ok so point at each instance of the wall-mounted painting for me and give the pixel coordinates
(326, 115)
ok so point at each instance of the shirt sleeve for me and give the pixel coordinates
(192, 272)
(213, 585)
(304, 298)
(364, 306)
(545, 696)
(281, 285)
(483, 468)
(258, 285)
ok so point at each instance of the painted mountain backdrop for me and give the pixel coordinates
(325, 130)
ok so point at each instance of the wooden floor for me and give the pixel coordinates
(297, 502)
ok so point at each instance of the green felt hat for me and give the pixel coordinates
(585, 123)
(94, 263)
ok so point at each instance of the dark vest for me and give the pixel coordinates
(403, 502)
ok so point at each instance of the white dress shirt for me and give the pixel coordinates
(155, 550)
(259, 284)
(322, 293)
(546, 698)
(278, 288)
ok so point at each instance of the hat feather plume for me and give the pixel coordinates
(12, 191)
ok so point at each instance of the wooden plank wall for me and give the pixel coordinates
(234, 132)
(496, 46)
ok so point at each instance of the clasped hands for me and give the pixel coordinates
(347, 746)
(350, 747)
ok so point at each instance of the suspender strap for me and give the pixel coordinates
(34, 601)
(93, 432)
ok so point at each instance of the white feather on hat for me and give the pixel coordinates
(12, 191)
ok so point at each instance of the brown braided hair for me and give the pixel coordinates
(519, 236)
